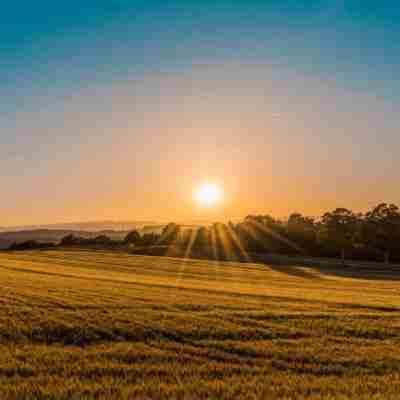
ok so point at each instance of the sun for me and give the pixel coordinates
(208, 195)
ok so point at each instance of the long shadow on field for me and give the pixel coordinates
(305, 267)
(296, 267)
(293, 270)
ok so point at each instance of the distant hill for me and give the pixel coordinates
(53, 235)
(94, 226)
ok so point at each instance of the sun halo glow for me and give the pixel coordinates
(208, 195)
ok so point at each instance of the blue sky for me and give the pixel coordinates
(55, 56)
(353, 40)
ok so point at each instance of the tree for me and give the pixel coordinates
(382, 229)
(132, 237)
(69, 240)
(149, 239)
(268, 234)
(302, 231)
(170, 233)
(339, 228)
(266, 220)
(30, 245)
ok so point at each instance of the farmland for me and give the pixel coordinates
(92, 324)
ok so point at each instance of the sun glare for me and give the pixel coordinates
(208, 195)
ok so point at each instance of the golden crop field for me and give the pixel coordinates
(86, 324)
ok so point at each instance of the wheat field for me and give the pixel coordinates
(91, 325)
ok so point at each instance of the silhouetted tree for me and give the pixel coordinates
(149, 239)
(201, 240)
(302, 231)
(265, 233)
(132, 237)
(339, 228)
(69, 240)
(382, 229)
(170, 234)
(29, 245)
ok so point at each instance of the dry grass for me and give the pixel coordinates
(83, 324)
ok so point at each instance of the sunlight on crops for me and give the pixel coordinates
(109, 325)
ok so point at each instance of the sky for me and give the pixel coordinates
(121, 109)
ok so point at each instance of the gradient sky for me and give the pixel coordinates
(120, 109)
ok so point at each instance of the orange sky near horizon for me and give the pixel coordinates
(275, 140)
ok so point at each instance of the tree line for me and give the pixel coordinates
(372, 236)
